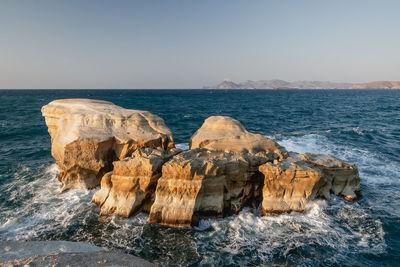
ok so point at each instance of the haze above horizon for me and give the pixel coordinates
(188, 44)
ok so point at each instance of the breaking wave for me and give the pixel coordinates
(329, 233)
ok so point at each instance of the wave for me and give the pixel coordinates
(335, 228)
(336, 231)
(36, 206)
(183, 146)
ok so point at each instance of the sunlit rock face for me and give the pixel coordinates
(224, 133)
(291, 183)
(132, 154)
(202, 184)
(129, 188)
(105, 186)
(217, 177)
(88, 135)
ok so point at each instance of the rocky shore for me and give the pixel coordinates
(131, 155)
(63, 253)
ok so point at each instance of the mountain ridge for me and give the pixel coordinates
(281, 84)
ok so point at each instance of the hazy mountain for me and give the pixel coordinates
(227, 85)
(280, 84)
(377, 85)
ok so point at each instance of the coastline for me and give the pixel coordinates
(348, 124)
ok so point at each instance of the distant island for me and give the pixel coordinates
(280, 84)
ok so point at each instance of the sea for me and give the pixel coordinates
(360, 126)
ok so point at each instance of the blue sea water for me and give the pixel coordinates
(361, 126)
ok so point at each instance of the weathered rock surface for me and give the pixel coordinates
(131, 185)
(62, 253)
(217, 177)
(224, 133)
(291, 183)
(202, 183)
(88, 135)
(105, 186)
(132, 154)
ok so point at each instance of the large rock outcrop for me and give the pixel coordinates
(291, 183)
(132, 154)
(217, 177)
(202, 184)
(130, 186)
(88, 135)
(224, 133)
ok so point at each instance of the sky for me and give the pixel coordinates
(190, 44)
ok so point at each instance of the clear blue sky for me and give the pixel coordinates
(188, 44)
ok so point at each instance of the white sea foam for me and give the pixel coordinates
(40, 206)
(336, 228)
(373, 168)
(183, 146)
(336, 225)
(272, 237)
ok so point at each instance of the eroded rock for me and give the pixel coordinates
(291, 183)
(88, 135)
(224, 133)
(217, 177)
(201, 184)
(63, 253)
(131, 184)
(225, 169)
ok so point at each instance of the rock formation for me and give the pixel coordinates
(88, 135)
(132, 153)
(291, 183)
(131, 184)
(217, 177)
(223, 133)
(63, 253)
(202, 184)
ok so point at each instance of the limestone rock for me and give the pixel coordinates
(88, 135)
(125, 190)
(291, 183)
(63, 253)
(224, 133)
(105, 186)
(202, 183)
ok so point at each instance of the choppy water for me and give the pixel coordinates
(360, 126)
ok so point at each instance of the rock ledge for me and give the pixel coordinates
(62, 253)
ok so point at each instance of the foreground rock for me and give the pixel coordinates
(217, 177)
(130, 186)
(202, 184)
(291, 183)
(62, 253)
(88, 135)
